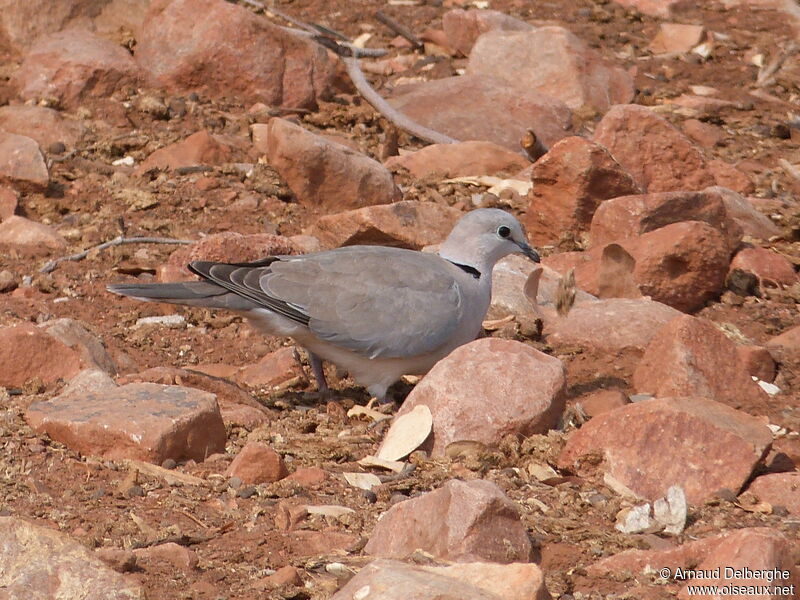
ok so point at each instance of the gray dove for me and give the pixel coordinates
(378, 312)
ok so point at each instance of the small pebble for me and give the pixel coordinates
(56, 148)
(246, 492)
(7, 281)
(169, 464)
(134, 491)
(370, 496)
(235, 483)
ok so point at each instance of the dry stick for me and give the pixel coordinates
(50, 266)
(399, 29)
(350, 55)
(378, 103)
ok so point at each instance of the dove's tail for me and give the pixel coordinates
(190, 293)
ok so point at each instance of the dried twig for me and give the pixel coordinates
(379, 103)
(50, 266)
(399, 29)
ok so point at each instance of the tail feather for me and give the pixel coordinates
(190, 293)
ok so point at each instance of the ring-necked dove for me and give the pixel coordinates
(378, 312)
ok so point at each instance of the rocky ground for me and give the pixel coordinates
(633, 406)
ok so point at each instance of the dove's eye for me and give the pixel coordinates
(503, 231)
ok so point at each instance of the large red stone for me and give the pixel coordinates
(220, 49)
(44, 125)
(395, 580)
(629, 216)
(324, 173)
(464, 27)
(21, 162)
(463, 521)
(201, 148)
(405, 224)
(483, 108)
(691, 357)
(461, 392)
(698, 444)
(569, 183)
(73, 65)
(28, 352)
(458, 160)
(553, 61)
(257, 463)
(658, 155)
(779, 489)
(143, 421)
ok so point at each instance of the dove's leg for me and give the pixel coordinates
(319, 373)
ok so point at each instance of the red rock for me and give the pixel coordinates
(708, 136)
(649, 446)
(757, 362)
(787, 344)
(171, 553)
(658, 156)
(771, 269)
(682, 265)
(463, 27)
(220, 50)
(779, 489)
(629, 216)
(752, 222)
(287, 575)
(405, 224)
(23, 23)
(142, 421)
(322, 173)
(483, 108)
(73, 65)
(394, 580)
(224, 247)
(752, 547)
(691, 357)
(119, 559)
(273, 369)
(28, 352)
(315, 543)
(21, 161)
(463, 521)
(23, 233)
(76, 336)
(310, 477)
(459, 160)
(610, 326)
(201, 148)
(601, 401)
(676, 37)
(569, 183)
(257, 463)
(121, 19)
(236, 406)
(653, 8)
(44, 125)
(731, 176)
(552, 61)
(462, 388)
(39, 561)
(8, 203)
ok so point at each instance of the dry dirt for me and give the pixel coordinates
(235, 537)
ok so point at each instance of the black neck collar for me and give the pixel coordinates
(471, 270)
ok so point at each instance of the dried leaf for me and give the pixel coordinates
(390, 465)
(495, 324)
(464, 448)
(407, 433)
(329, 510)
(363, 481)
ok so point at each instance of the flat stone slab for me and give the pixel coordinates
(142, 421)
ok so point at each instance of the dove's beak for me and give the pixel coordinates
(529, 252)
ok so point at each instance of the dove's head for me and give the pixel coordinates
(484, 236)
